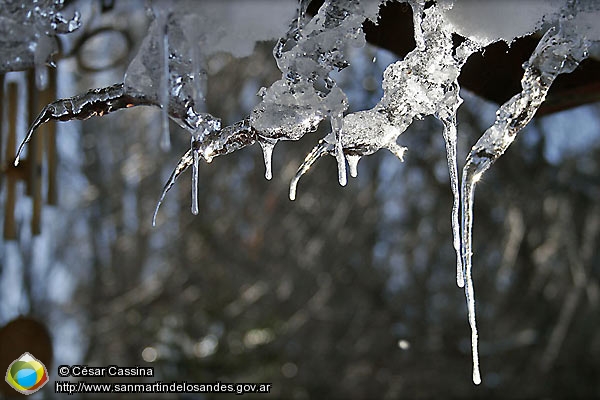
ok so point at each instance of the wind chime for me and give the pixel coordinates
(30, 170)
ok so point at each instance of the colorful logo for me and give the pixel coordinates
(27, 375)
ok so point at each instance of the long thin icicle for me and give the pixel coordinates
(184, 163)
(337, 124)
(450, 137)
(469, 179)
(412, 90)
(557, 52)
(195, 167)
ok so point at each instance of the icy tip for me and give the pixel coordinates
(267, 148)
(292, 192)
(341, 163)
(353, 164)
(476, 377)
(460, 276)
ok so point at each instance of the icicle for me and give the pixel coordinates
(195, 166)
(341, 162)
(41, 77)
(417, 8)
(450, 136)
(337, 122)
(293, 105)
(353, 164)
(184, 163)
(556, 53)
(322, 148)
(43, 50)
(293, 187)
(165, 141)
(471, 174)
(267, 148)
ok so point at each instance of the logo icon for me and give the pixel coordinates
(26, 375)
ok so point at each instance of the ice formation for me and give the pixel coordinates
(178, 81)
(293, 105)
(28, 32)
(559, 51)
(424, 83)
(170, 72)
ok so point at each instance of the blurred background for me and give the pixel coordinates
(346, 292)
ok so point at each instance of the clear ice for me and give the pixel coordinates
(411, 91)
(267, 148)
(559, 51)
(293, 105)
(177, 82)
(337, 124)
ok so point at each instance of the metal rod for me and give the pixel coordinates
(34, 157)
(2, 166)
(51, 151)
(10, 228)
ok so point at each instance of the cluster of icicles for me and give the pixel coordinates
(169, 72)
